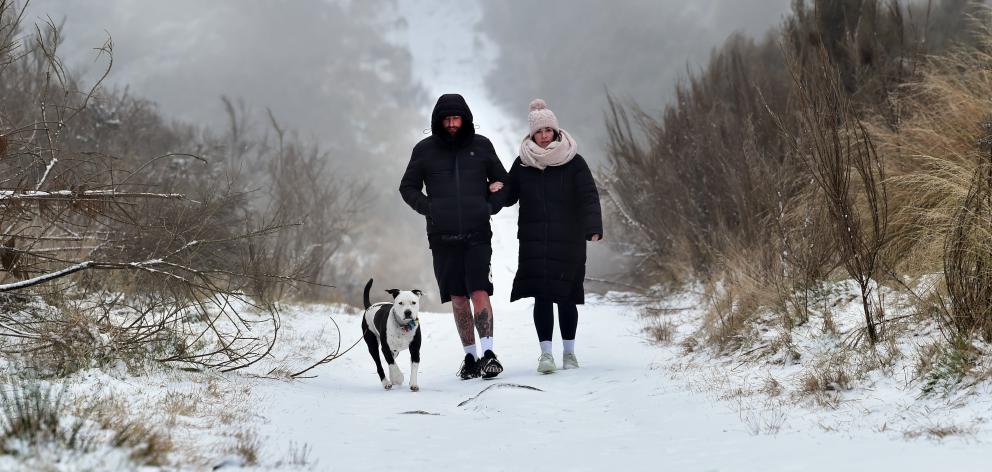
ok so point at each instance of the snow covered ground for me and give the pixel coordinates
(624, 408)
(633, 405)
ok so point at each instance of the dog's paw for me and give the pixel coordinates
(396, 377)
(387, 385)
(415, 388)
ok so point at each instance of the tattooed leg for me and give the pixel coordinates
(463, 319)
(483, 314)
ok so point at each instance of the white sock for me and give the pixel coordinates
(470, 349)
(487, 344)
(569, 345)
(546, 347)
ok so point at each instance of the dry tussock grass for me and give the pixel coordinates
(938, 431)
(662, 331)
(933, 154)
(940, 160)
(180, 403)
(246, 446)
(750, 285)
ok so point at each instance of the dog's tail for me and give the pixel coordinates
(365, 296)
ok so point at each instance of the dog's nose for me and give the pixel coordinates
(407, 313)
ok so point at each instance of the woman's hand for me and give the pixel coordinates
(595, 237)
(495, 186)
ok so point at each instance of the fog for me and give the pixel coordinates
(325, 69)
(571, 52)
(360, 77)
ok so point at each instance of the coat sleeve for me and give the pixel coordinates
(588, 200)
(494, 173)
(412, 184)
(509, 194)
(494, 168)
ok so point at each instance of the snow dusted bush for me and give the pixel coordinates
(139, 239)
(40, 427)
(889, 181)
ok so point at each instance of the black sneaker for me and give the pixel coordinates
(469, 368)
(489, 366)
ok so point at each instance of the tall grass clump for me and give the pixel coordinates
(942, 153)
(809, 155)
(42, 424)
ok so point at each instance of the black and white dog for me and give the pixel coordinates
(394, 326)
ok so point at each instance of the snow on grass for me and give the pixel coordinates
(801, 399)
(633, 404)
(812, 378)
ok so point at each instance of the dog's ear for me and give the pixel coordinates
(395, 292)
(418, 292)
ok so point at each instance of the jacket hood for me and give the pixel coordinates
(452, 104)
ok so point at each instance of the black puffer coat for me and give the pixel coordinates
(559, 212)
(457, 171)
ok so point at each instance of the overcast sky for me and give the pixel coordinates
(570, 52)
(322, 66)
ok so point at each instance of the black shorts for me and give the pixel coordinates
(461, 269)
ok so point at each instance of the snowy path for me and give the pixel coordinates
(614, 411)
(622, 409)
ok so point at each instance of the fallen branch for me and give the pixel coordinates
(500, 385)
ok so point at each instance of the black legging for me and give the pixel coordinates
(544, 319)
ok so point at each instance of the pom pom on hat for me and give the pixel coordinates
(541, 117)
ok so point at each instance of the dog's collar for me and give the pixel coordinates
(412, 325)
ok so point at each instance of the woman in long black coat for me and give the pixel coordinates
(559, 212)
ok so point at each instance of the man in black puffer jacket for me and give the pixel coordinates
(457, 166)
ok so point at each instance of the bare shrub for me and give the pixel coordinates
(301, 191)
(808, 252)
(699, 177)
(181, 238)
(833, 144)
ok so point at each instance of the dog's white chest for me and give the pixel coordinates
(397, 338)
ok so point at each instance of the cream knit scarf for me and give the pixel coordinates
(557, 153)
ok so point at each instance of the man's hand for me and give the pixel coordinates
(595, 237)
(495, 186)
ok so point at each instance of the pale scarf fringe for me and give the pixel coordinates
(556, 154)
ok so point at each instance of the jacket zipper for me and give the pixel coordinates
(547, 235)
(458, 193)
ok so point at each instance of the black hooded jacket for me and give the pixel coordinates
(456, 171)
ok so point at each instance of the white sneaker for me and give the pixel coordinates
(546, 363)
(569, 361)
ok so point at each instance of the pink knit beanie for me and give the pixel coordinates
(541, 117)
